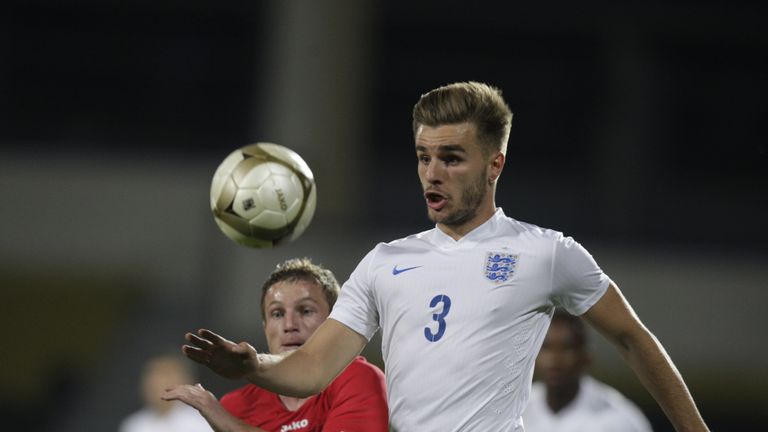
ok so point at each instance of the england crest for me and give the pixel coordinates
(500, 267)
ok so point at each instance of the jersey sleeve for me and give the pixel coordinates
(577, 281)
(359, 402)
(356, 305)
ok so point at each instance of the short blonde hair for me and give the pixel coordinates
(303, 269)
(474, 102)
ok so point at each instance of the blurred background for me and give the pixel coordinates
(639, 129)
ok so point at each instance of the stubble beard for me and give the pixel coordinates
(471, 198)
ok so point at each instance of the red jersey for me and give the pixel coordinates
(355, 401)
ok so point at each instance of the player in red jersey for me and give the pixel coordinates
(296, 298)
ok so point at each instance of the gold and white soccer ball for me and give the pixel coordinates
(263, 195)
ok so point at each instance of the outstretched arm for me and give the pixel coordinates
(209, 407)
(301, 373)
(614, 318)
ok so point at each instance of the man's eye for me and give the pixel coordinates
(276, 314)
(451, 160)
(307, 311)
(424, 159)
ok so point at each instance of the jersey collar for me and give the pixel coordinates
(483, 232)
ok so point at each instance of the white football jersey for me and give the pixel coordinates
(462, 321)
(597, 408)
(182, 418)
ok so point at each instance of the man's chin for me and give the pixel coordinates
(431, 215)
(450, 219)
(438, 216)
(560, 381)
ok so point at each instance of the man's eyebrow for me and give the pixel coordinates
(301, 300)
(452, 148)
(444, 148)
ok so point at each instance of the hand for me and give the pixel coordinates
(209, 407)
(226, 358)
(193, 395)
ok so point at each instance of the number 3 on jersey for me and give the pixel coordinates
(439, 317)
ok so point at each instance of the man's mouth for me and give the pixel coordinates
(292, 345)
(435, 200)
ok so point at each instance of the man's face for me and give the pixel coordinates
(160, 374)
(562, 358)
(293, 310)
(454, 172)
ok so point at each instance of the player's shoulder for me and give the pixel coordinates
(360, 386)
(599, 390)
(619, 410)
(359, 374)
(135, 421)
(528, 229)
(242, 401)
(411, 243)
(248, 392)
(414, 240)
(526, 234)
(609, 396)
(360, 366)
(246, 389)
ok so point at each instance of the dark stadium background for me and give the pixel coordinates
(639, 129)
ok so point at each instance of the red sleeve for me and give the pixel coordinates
(359, 400)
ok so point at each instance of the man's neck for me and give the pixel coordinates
(162, 410)
(456, 232)
(292, 403)
(559, 398)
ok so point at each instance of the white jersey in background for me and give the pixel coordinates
(181, 418)
(462, 321)
(596, 408)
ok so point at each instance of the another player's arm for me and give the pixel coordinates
(614, 318)
(301, 373)
(209, 407)
(313, 366)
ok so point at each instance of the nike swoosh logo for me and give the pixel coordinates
(396, 271)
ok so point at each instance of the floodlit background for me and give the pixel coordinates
(639, 130)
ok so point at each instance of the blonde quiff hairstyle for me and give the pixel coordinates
(474, 102)
(297, 269)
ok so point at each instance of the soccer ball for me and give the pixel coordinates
(263, 195)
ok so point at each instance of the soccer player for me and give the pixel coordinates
(295, 301)
(159, 373)
(464, 307)
(566, 399)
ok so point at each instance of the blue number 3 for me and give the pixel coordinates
(439, 317)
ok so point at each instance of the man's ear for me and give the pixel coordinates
(497, 165)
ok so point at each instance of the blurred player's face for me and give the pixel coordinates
(160, 374)
(293, 310)
(562, 358)
(455, 174)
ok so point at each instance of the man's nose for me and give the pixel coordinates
(290, 321)
(434, 172)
